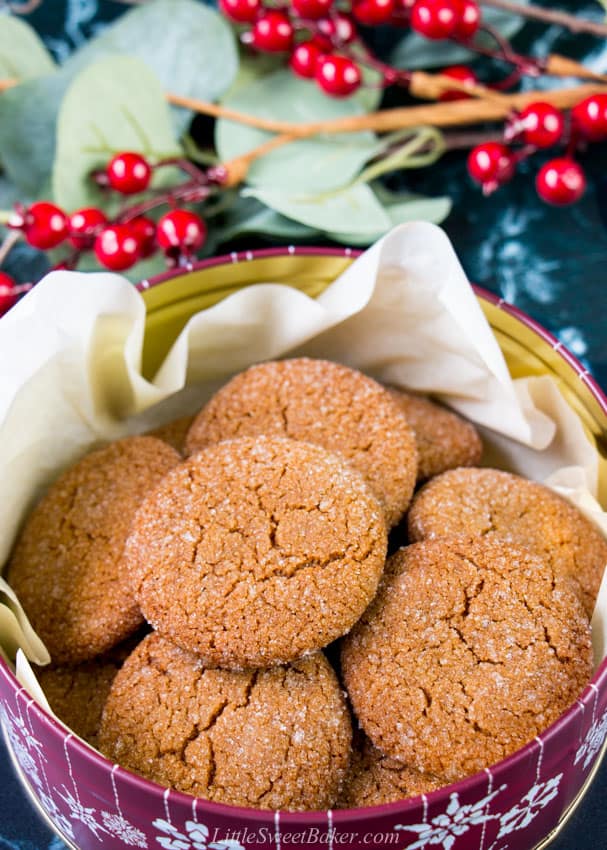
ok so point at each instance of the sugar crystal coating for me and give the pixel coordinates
(67, 567)
(492, 502)
(273, 739)
(469, 650)
(323, 403)
(256, 551)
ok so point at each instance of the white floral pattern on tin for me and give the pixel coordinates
(119, 827)
(445, 828)
(82, 813)
(19, 733)
(196, 837)
(58, 818)
(536, 799)
(593, 741)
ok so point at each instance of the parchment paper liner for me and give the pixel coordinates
(403, 312)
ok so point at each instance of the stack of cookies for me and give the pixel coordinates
(187, 584)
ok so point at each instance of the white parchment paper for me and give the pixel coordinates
(70, 374)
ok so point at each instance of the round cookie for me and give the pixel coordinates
(374, 779)
(256, 551)
(469, 650)
(490, 501)
(67, 567)
(272, 739)
(174, 433)
(444, 440)
(322, 403)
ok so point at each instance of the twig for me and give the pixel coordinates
(550, 16)
(453, 114)
(8, 243)
(25, 8)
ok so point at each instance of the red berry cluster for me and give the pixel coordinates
(561, 181)
(319, 37)
(120, 243)
(10, 292)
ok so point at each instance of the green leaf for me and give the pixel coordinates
(22, 54)
(27, 131)
(311, 165)
(414, 51)
(100, 115)
(249, 217)
(356, 206)
(400, 208)
(189, 46)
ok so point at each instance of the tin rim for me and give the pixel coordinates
(356, 814)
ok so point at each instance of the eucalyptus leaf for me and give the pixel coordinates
(27, 131)
(190, 47)
(22, 54)
(408, 207)
(249, 217)
(100, 115)
(312, 165)
(414, 51)
(355, 206)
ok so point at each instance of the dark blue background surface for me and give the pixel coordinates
(551, 263)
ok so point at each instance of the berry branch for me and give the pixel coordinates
(550, 16)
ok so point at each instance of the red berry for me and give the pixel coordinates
(468, 19)
(117, 247)
(43, 224)
(312, 9)
(8, 293)
(181, 232)
(304, 58)
(144, 230)
(561, 182)
(491, 164)
(590, 117)
(338, 75)
(272, 33)
(373, 12)
(129, 173)
(435, 19)
(540, 124)
(84, 226)
(334, 31)
(462, 74)
(241, 11)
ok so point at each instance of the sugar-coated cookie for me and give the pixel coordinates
(489, 501)
(256, 551)
(374, 779)
(444, 440)
(469, 650)
(272, 739)
(67, 567)
(322, 403)
(174, 433)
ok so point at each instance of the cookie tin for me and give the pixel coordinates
(517, 804)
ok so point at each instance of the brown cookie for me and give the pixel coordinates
(174, 433)
(444, 440)
(374, 779)
(469, 650)
(489, 501)
(272, 739)
(256, 551)
(322, 403)
(67, 567)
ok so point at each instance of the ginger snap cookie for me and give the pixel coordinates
(469, 650)
(256, 551)
(489, 501)
(323, 403)
(174, 433)
(444, 440)
(374, 779)
(67, 567)
(272, 739)
(77, 694)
